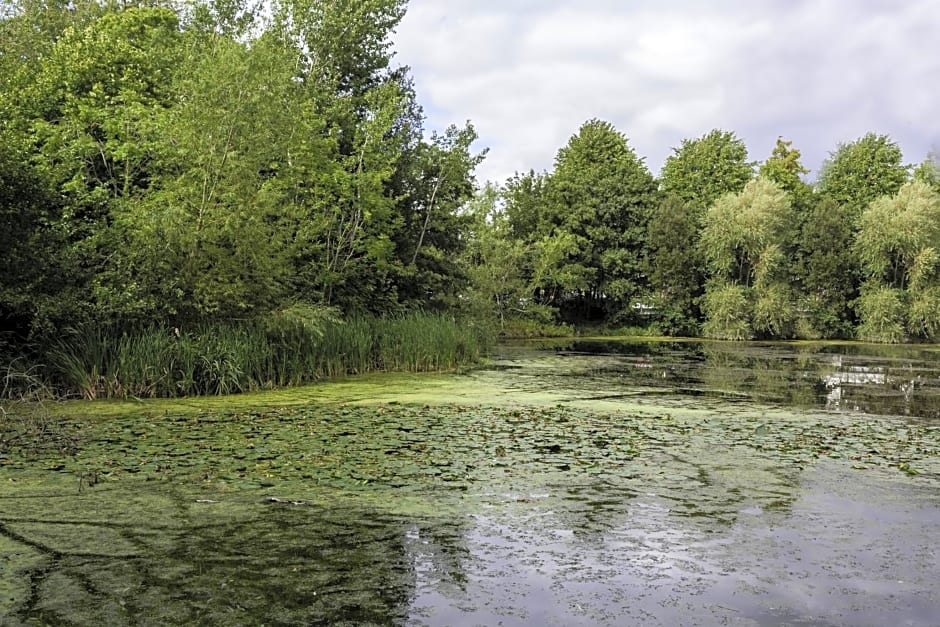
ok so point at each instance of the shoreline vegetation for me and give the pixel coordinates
(157, 362)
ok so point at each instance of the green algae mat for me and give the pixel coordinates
(474, 499)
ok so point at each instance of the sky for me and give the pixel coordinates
(529, 73)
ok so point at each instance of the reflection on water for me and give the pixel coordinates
(831, 559)
(881, 380)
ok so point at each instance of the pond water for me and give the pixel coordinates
(567, 483)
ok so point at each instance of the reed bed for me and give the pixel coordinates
(229, 358)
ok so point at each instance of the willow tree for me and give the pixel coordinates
(898, 245)
(744, 246)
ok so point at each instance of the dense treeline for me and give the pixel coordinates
(193, 168)
(718, 246)
(210, 162)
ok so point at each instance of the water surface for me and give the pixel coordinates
(573, 483)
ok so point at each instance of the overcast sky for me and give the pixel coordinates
(528, 73)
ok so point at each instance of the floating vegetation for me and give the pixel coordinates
(386, 498)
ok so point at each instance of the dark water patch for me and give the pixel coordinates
(846, 377)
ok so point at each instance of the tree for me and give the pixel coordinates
(702, 170)
(207, 239)
(862, 171)
(602, 194)
(524, 198)
(86, 116)
(674, 266)
(898, 244)
(744, 244)
(828, 271)
(784, 168)
(928, 171)
(443, 183)
(496, 262)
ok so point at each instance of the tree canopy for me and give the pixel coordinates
(210, 161)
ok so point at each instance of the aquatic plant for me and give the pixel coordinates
(156, 361)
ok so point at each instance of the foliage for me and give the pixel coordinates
(828, 270)
(602, 194)
(496, 264)
(223, 165)
(899, 246)
(744, 244)
(862, 171)
(741, 239)
(928, 171)
(881, 314)
(727, 313)
(784, 168)
(702, 170)
(674, 266)
(899, 236)
(139, 185)
(924, 313)
(774, 311)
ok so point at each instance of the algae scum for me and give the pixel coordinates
(580, 483)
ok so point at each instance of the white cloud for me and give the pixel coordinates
(528, 73)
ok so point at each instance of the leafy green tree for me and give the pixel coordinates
(727, 308)
(702, 170)
(496, 262)
(828, 271)
(784, 168)
(928, 171)
(697, 174)
(443, 184)
(346, 43)
(86, 115)
(207, 238)
(674, 266)
(863, 171)
(524, 198)
(742, 235)
(602, 194)
(32, 290)
(895, 234)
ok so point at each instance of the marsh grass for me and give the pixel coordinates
(156, 361)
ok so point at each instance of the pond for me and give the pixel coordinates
(577, 482)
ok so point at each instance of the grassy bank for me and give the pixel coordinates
(224, 359)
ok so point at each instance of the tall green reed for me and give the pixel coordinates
(228, 358)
